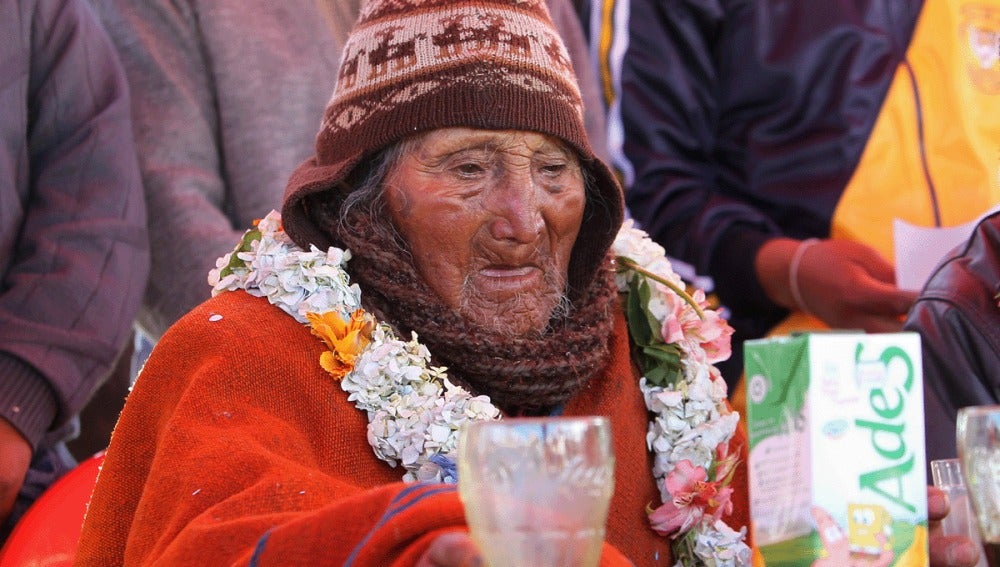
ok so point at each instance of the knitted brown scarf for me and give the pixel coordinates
(521, 375)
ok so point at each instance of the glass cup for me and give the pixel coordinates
(536, 491)
(947, 475)
(978, 438)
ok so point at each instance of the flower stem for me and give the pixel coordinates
(681, 292)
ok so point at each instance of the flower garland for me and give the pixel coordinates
(414, 411)
(677, 341)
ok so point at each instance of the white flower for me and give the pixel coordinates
(718, 545)
(634, 243)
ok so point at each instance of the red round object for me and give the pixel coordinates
(49, 531)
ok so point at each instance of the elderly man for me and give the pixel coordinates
(445, 256)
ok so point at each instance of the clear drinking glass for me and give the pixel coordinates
(947, 475)
(978, 437)
(536, 491)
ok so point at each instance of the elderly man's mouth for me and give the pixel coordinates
(510, 278)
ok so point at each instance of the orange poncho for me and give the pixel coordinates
(235, 447)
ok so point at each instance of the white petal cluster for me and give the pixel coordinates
(414, 411)
(296, 281)
(636, 245)
(230, 282)
(718, 545)
(688, 424)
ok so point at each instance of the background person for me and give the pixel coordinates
(958, 318)
(74, 255)
(771, 144)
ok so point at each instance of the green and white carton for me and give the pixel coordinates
(836, 429)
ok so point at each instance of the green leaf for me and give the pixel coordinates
(659, 362)
(663, 375)
(683, 550)
(664, 353)
(245, 245)
(635, 312)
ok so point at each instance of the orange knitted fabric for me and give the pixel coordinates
(235, 447)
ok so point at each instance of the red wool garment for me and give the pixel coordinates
(236, 447)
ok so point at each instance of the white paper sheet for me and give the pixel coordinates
(919, 249)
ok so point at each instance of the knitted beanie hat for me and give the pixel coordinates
(410, 66)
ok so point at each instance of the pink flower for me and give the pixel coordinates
(676, 516)
(722, 503)
(669, 520)
(672, 330)
(725, 463)
(686, 484)
(714, 333)
(682, 324)
(725, 466)
(693, 497)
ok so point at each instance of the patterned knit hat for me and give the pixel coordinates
(411, 66)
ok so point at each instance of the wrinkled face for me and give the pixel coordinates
(490, 218)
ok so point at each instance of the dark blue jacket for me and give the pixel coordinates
(743, 120)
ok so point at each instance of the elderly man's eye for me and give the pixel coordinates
(554, 169)
(470, 169)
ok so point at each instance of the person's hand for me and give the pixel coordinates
(946, 551)
(847, 285)
(838, 551)
(453, 549)
(15, 457)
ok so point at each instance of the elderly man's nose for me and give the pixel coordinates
(517, 213)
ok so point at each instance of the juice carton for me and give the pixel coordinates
(836, 429)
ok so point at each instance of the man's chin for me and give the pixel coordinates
(517, 317)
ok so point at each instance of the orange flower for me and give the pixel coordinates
(346, 339)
